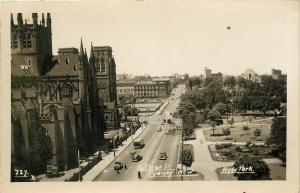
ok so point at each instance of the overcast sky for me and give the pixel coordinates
(159, 38)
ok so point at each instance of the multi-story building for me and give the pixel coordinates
(151, 89)
(66, 97)
(218, 77)
(126, 88)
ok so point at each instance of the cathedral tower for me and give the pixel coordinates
(32, 42)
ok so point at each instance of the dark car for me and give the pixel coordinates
(136, 157)
(118, 166)
(163, 156)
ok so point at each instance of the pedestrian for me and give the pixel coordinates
(201, 141)
(139, 175)
(125, 166)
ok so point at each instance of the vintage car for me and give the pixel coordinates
(136, 157)
(118, 166)
(163, 155)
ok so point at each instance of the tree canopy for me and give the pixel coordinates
(251, 168)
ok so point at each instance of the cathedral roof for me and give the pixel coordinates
(19, 67)
(65, 65)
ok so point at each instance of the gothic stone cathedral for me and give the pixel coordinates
(69, 97)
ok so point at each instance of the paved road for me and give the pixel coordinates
(155, 142)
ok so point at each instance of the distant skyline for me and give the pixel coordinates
(162, 38)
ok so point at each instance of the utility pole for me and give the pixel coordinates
(114, 146)
(78, 155)
(181, 153)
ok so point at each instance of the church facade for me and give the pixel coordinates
(69, 97)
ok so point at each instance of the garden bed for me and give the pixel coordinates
(230, 152)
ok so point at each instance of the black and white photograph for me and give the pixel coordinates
(160, 91)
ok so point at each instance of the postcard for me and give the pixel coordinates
(150, 96)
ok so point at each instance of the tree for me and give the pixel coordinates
(41, 151)
(257, 132)
(278, 137)
(213, 116)
(221, 107)
(191, 84)
(251, 168)
(226, 132)
(244, 104)
(265, 103)
(187, 158)
(213, 125)
(231, 122)
(230, 82)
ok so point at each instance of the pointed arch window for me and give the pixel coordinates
(29, 42)
(24, 41)
(14, 42)
(102, 65)
(97, 64)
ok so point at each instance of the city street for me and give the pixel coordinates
(166, 140)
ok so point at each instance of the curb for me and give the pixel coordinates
(98, 168)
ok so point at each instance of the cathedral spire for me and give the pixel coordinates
(92, 51)
(81, 48)
(11, 20)
(43, 20)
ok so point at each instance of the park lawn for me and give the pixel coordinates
(225, 177)
(238, 134)
(277, 172)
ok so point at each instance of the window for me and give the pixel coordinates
(15, 41)
(24, 43)
(102, 65)
(28, 37)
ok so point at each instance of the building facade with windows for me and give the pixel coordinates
(152, 89)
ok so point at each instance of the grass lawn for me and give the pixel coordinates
(277, 172)
(238, 134)
(224, 177)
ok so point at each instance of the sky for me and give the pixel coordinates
(163, 37)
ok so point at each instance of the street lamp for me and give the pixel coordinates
(78, 157)
(114, 146)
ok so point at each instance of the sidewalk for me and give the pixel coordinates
(98, 168)
(64, 176)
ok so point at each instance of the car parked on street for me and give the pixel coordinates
(163, 156)
(118, 166)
